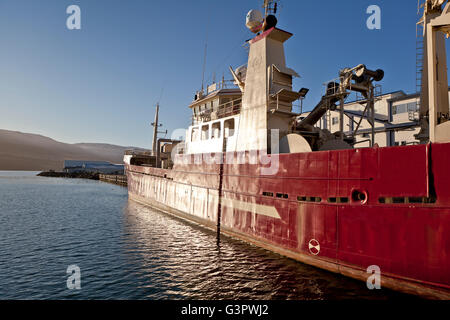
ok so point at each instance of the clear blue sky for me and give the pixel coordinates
(100, 83)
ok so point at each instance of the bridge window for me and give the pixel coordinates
(215, 132)
(194, 135)
(225, 102)
(229, 128)
(205, 132)
(215, 105)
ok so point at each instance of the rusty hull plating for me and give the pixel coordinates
(401, 226)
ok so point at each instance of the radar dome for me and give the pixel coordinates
(254, 20)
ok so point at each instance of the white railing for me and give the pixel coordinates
(224, 110)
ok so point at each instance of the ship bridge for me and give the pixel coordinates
(221, 100)
(215, 115)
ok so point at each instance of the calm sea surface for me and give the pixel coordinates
(128, 251)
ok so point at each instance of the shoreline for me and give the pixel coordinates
(73, 175)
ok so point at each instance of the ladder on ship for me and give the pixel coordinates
(420, 50)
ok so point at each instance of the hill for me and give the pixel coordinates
(32, 152)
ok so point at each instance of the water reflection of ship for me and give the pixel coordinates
(252, 169)
(173, 259)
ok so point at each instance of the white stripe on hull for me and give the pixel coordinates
(268, 211)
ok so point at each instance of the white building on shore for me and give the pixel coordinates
(396, 120)
(105, 167)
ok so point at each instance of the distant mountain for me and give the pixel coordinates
(26, 151)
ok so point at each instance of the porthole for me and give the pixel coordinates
(359, 196)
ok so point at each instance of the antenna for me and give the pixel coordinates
(204, 57)
(204, 62)
(270, 7)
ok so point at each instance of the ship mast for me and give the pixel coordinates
(155, 125)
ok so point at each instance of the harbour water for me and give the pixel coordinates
(127, 251)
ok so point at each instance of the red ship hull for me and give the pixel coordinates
(342, 211)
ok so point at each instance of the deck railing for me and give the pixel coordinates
(224, 110)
